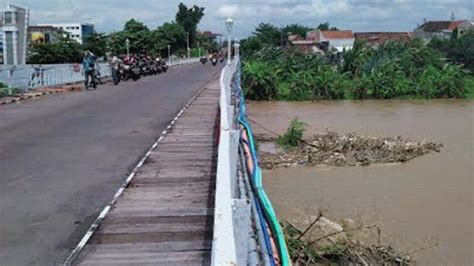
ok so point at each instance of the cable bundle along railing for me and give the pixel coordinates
(250, 215)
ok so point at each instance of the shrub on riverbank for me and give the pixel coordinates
(394, 70)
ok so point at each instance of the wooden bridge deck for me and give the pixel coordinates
(165, 215)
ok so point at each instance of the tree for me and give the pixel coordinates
(458, 50)
(206, 43)
(169, 33)
(268, 34)
(189, 18)
(63, 50)
(250, 45)
(326, 26)
(138, 34)
(298, 29)
(96, 43)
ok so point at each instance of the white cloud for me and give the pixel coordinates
(359, 15)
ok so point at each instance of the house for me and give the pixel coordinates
(375, 39)
(335, 40)
(211, 35)
(443, 29)
(321, 42)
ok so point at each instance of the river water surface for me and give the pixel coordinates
(424, 200)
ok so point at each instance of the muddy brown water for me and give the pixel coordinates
(418, 202)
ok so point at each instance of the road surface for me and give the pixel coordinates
(64, 156)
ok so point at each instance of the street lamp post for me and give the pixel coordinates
(169, 54)
(229, 23)
(127, 43)
(187, 44)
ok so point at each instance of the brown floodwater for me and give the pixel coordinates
(424, 200)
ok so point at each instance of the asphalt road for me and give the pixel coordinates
(63, 157)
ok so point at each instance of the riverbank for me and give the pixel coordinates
(412, 202)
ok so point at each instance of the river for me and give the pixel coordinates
(418, 202)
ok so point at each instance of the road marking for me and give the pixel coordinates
(80, 246)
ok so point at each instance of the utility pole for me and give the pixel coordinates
(127, 43)
(199, 48)
(169, 54)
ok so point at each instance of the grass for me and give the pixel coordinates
(293, 136)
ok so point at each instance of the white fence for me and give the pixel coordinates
(27, 77)
(236, 234)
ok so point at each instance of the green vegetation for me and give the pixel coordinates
(62, 50)
(267, 35)
(142, 40)
(470, 87)
(458, 50)
(346, 247)
(294, 135)
(393, 70)
(5, 91)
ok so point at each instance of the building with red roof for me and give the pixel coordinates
(443, 29)
(377, 38)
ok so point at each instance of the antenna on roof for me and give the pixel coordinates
(452, 16)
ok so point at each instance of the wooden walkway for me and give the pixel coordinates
(165, 215)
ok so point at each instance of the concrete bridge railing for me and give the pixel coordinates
(241, 227)
(29, 77)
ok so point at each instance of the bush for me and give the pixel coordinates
(393, 70)
(448, 82)
(457, 50)
(260, 80)
(294, 134)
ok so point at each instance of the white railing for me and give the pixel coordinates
(182, 61)
(234, 238)
(224, 244)
(27, 77)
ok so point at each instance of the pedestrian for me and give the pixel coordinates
(114, 64)
(88, 63)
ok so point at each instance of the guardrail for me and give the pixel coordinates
(246, 230)
(28, 77)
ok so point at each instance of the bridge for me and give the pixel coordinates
(194, 198)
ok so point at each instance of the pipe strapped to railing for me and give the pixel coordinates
(245, 223)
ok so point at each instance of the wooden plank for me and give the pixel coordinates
(165, 215)
(137, 258)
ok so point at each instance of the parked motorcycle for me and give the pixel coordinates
(203, 60)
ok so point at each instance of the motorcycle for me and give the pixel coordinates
(130, 72)
(164, 66)
(214, 61)
(203, 60)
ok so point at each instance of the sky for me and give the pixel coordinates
(357, 15)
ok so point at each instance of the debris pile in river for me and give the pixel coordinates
(324, 242)
(349, 149)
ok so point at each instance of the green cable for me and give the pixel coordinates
(267, 206)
